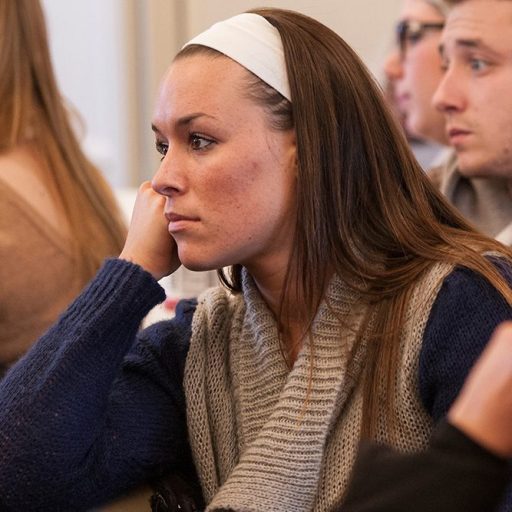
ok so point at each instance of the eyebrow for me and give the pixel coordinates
(185, 120)
(470, 44)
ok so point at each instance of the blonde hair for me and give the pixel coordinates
(440, 5)
(32, 111)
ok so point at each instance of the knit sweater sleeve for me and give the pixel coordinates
(464, 315)
(94, 409)
(466, 312)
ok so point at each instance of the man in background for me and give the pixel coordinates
(475, 96)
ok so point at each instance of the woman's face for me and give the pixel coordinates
(229, 179)
(416, 73)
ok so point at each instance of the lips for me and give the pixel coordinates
(176, 217)
(177, 221)
(457, 135)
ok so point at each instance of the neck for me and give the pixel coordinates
(270, 284)
(271, 287)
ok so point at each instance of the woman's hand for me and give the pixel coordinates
(483, 410)
(149, 243)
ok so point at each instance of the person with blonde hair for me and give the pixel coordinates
(413, 67)
(58, 217)
(354, 303)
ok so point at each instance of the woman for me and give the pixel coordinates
(413, 67)
(280, 160)
(58, 218)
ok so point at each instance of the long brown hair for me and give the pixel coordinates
(32, 111)
(367, 212)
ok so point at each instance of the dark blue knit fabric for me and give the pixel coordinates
(67, 443)
(82, 446)
(464, 315)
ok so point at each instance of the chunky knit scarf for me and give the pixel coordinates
(267, 438)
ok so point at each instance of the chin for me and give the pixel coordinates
(198, 266)
(415, 131)
(197, 262)
(202, 257)
(474, 169)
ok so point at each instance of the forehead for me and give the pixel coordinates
(419, 10)
(485, 23)
(201, 83)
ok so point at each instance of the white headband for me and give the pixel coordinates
(253, 42)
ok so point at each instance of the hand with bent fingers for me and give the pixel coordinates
(149, 243)
(483, 410)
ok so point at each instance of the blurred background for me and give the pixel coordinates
(109, 57)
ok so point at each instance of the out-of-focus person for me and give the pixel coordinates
(413, 71)
(58, 217)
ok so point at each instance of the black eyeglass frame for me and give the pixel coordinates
(406, 28)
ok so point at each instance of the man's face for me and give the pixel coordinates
(475, 94)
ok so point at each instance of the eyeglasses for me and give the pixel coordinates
(411, 31)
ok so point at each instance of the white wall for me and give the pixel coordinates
(110, 54)
(87, 41)
(367, 25)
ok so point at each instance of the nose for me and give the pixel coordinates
(393, 68)
(169, 179)
(449, 95)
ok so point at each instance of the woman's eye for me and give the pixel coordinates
(414, 37)
(477, 64)
(162, 148)
(199, 143)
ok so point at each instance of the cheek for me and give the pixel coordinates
(493, 103)
(414, 77)
(498, 128)
(230, 189)
(424, 86)
(426, 64)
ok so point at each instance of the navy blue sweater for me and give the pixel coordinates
(95, 408)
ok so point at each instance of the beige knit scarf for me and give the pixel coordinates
(486, 202)
(267, 438)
